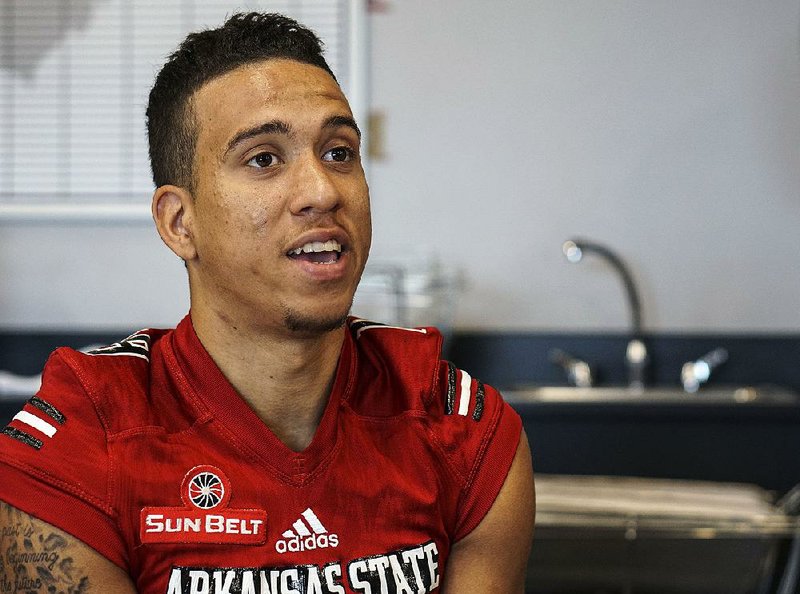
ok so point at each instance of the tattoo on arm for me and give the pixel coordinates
(35, 557)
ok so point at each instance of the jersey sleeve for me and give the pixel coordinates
(54, 462)
(479, 433)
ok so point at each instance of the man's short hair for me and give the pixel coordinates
(203, 56)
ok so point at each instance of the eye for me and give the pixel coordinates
(263, 160)
(340, 154)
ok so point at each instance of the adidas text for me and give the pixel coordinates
(309, 543)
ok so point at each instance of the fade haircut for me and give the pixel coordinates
(203, 56)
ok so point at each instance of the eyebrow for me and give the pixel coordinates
(339, 121)
(281, 127)
(271, 127)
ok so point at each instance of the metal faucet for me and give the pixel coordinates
(695, 373)
(636, 355)
(579, 372)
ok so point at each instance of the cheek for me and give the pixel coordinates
(367, 224)
(257, 209)
(365, 214)
(241, 208)
(259, 219)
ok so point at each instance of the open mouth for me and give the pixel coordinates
(318, 252)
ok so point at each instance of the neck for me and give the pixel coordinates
(285, 379)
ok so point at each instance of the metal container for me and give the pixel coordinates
(408, 294)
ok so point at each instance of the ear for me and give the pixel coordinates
(173, 209)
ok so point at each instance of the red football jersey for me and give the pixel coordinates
(166, 471)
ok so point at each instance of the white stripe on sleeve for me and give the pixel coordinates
(35, 422)
(464, 393)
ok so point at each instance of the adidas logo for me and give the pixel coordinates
(306, 534)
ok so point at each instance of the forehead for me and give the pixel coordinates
(287, 90)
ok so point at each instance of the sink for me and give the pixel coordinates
(717, 395)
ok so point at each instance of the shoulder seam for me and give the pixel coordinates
(70, 363)
(48, 479)
(110, 474)
(488, 434)
(463, 480)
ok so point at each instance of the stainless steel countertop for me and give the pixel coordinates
(658, 508)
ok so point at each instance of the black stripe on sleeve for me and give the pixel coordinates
(48, 409)
(136, 345)
(479, 394)
(452, 376)
(357, 325)
(23, 437)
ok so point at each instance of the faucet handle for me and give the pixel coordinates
(579, 373)
(695, 373)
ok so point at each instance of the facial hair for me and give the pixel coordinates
(313, 326)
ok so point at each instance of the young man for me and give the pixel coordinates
(268, 444)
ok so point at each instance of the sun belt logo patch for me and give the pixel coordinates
(205, 517)
(206, 489)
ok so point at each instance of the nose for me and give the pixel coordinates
(316, 190)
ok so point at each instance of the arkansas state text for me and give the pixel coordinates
(414, 570)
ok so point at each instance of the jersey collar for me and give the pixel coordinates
(226, 406)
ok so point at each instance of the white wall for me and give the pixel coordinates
(669, 130)
(89, 276)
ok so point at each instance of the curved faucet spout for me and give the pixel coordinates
(574, 249)
(636, 356)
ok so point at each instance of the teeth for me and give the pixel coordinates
(318, 246)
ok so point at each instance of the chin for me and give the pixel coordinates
(309, 325)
